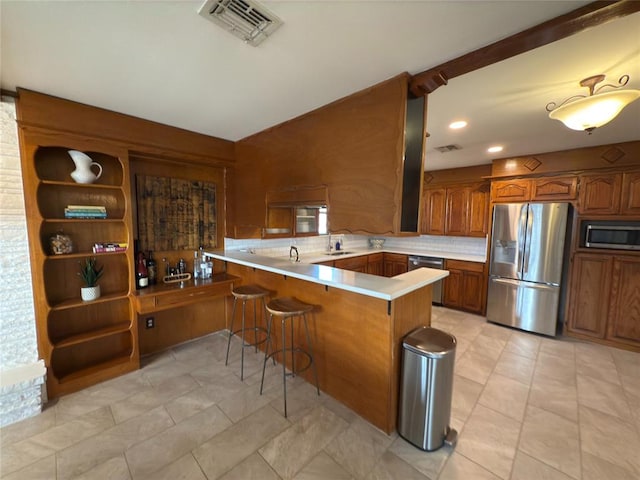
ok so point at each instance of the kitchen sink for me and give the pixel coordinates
(341, 252)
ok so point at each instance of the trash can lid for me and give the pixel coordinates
(430, 342)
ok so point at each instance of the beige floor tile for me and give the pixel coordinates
(152, 397)
(323, 467)
(391, 467)
(44, 469)
(528, 468)
(555, 396)
(28, 427)
(70, 433)
(428, 463)
(506, 396)
(604, 396)
(488, 346)
(605, 371)
(302, 397)
(191, 403)
(560, 347)
(85, 455)
(185, 468)
(227, 449)
(523, 344)
(627, 363)
(552, 439)
(20, 455)
(174, 442)
(461, 468)
(291, 450)
(593, 353)
(596, 468)
(489, 439)
(475, 366)
(252, 467)
(465, 395)
(516, 367)
(497, 331)
(610, 438)
(339, 409)
(558, 368)
(358, 448)
(247, 401)
(115, 468)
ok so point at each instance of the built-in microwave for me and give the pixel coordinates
(610, 234)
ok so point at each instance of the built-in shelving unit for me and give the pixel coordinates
(82, 343)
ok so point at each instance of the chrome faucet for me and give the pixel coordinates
(330, 244)
(294, 249)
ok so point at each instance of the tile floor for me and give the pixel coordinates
(527, 407)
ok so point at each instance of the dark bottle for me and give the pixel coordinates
(152, 269)
(142, 274)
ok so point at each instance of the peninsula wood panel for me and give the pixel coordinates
(354, 146)
(356, 340)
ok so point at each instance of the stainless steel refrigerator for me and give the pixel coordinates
(525, 274)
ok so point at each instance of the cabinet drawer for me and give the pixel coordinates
(182, 297)
(466, 266)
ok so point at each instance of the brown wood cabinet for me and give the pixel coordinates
(355, 264)
(631, 193)
(395, 264)
(465, 287)
(375, 264)
(605, 298)
(624, 313)
(457, 210)
(600, 193)
(535, 189)
(82, 343)
(591, 286)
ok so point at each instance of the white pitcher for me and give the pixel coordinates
(83, 172)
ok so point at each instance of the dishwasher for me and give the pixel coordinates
(430, 262)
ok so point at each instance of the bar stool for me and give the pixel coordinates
(288, 308)
(246, 293)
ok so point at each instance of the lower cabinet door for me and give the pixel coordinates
(589, 295)
(624, 313)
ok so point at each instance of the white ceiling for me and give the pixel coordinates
(163, 62)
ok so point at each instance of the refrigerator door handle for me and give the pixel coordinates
(518, 283)
(527, 248)
(522, 229)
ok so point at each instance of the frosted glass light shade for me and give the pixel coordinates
(594, 111)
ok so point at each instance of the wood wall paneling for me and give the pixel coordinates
(354, 146)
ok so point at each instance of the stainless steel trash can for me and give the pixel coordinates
(426, 388)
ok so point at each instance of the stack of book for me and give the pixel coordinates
(109, 247)
(85, 211)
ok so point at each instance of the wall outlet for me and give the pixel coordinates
(150, 322)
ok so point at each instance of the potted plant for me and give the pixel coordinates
(90, 273)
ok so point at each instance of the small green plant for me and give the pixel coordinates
(90, 272)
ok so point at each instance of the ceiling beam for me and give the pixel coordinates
(590, 15)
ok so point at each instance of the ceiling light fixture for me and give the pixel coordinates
(582, 112)
(495, 149)
(457, 124)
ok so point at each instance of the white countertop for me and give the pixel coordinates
(313, 257)
(362, 283)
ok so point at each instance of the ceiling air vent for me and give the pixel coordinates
(448, 148)
(245, 19)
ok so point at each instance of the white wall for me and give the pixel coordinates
(21, 373)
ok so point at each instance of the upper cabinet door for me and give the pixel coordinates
(600, 194)
(554, 188)
(433, 215)
(478, 211)
(511, 190)
(456, 213)
(631, 193)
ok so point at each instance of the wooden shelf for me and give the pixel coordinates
(77, 302)
(118, 361)
(80, 185)
(81, 220)
(93, 335)
(83, 255)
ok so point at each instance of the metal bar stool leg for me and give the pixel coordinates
(233, 316)
(266, 351)
(284, 363)
(244, 303)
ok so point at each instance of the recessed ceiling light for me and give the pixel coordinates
(457, 124)
(495, 149)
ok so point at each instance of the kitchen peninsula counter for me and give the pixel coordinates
(356, 328)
